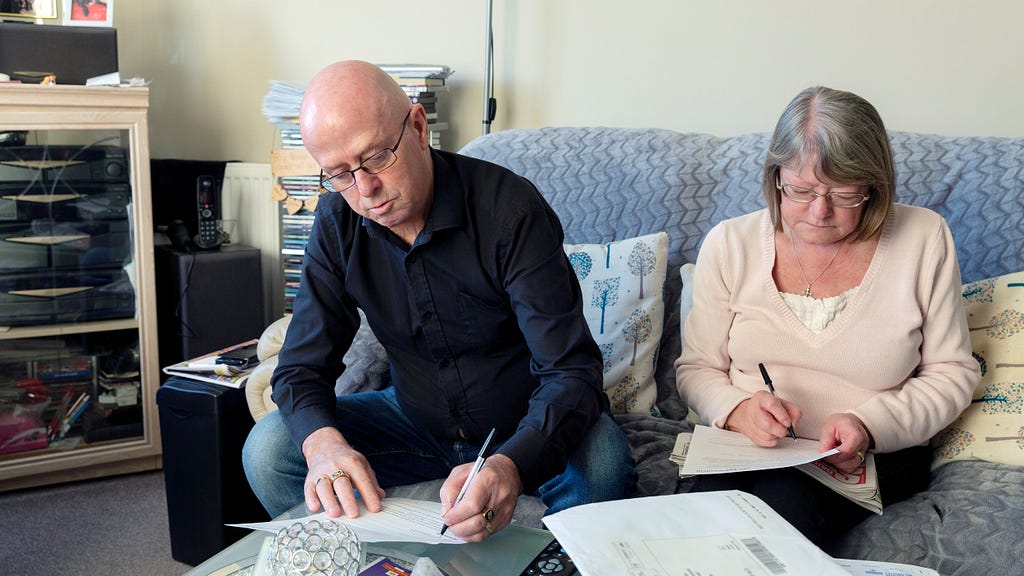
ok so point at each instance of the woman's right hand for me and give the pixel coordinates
(764, 418)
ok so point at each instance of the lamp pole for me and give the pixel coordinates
(489, 103)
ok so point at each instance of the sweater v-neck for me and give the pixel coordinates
(865, 293)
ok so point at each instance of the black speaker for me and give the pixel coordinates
(175, 189)
(73, 53)
(206, 300)
(203, 428)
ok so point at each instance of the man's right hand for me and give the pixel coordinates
(328, 454)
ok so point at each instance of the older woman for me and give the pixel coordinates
(852, 303)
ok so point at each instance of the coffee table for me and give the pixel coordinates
(506, 553)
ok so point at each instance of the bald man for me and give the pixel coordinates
(459, 267)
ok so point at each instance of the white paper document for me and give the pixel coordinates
(697, 534)
(717, 451)
(872, 568)
(399, 520)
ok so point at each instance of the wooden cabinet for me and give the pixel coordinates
(79, 363)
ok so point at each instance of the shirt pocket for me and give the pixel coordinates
(484, 326)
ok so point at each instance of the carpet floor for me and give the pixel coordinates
(110, 526)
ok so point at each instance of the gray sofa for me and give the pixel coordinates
(613, 183)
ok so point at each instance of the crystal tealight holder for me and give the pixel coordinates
(315, 548)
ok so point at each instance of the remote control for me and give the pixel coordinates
(551, 561)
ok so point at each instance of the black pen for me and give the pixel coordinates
(768, 382)
(472, 474)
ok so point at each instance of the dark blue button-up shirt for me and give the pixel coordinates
(481, 319)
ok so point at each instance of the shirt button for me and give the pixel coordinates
(427, 315)
(444, 363)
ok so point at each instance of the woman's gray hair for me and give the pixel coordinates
(843, 137)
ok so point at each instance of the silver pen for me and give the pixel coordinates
(472, 474)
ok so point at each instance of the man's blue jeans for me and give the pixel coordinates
(600, 469)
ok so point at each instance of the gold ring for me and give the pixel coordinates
(338, 474)
(860, 455)
(489, 528)
(319, 479)
(488, 514)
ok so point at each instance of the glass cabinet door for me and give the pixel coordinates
(77, 385)
(67, 265)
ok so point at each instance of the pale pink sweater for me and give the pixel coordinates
(898, 356)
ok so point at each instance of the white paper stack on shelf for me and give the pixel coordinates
(283, 102)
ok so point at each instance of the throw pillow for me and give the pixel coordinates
(622, 286)
(992, 427)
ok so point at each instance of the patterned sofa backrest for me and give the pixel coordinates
(977, 184)
(613, 183)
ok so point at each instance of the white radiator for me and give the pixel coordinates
(248, 208)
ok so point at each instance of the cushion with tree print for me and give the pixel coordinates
(622, 286)
(992, 427)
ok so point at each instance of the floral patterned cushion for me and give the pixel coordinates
(992, 427)
(622, 286)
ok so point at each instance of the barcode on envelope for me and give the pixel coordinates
(763, 555)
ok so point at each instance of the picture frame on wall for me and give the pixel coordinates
(88, 12)
(13, 9)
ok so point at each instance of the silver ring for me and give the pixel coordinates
(860, 455)
(317, 483)
(339, 473)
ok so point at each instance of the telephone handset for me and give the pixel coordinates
(208, 236)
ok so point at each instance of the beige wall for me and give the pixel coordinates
(725, 67)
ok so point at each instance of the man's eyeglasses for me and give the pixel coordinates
(835, 199)
(375, 164)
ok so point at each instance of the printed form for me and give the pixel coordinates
(399, 520)
(717, 451)
(698, 534)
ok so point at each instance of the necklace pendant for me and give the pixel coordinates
(807, 291)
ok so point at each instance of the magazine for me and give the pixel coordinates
(860, 486)
(206, 369)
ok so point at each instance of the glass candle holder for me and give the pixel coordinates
(314, 548)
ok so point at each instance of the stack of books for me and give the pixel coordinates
(422, 83)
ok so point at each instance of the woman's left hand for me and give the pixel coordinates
(847, 433)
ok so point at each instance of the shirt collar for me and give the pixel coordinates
(447, 210)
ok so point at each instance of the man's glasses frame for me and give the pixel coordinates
(835, 199)
(375, 164)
